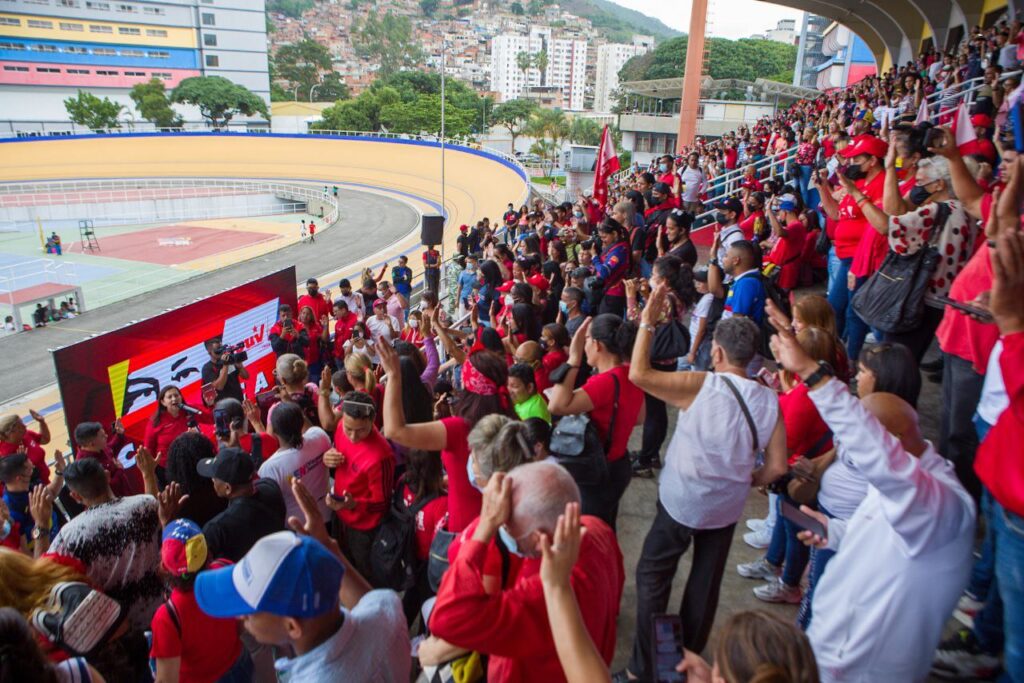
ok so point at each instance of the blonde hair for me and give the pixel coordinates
(758, 647)
(627, 207)
(7, 423)
(25, 582)
(499, 443)
(292, 370)
(814, 310)
(358, 365)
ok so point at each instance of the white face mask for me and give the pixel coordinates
(414, 323)
(509, 301)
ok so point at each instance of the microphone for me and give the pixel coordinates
(190, 410)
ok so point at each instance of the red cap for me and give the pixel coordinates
(539, 281)
(463, 228)
(866, 144)
(505, 286)
(982, 120)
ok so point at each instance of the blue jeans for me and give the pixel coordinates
(833, 268)
(1009, 552)
(819, 560)
(856, 328)
(839, 296)
(808, 192)
(983, 570)
(786, 549)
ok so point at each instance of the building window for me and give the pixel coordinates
(107, 73)
(15, 68)
(128, 31)
(100, 28)
(208, 19)
(47, 70)
(45, 48)
(79, 72)
(67, 26)
(104, 51)
(134, 73)
(98, 5)
(126, 8)
(212, 60)
(161, 74)
(132, 53)
(153, 10)
(156, 33)
(158, 54)
(7, 21)
(68, 3)
(74, 49)
(209, 40)
(11, 46)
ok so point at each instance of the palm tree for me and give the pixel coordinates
(552, 127)
(524, 62)
(540, 60)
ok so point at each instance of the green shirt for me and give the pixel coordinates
(535, 406)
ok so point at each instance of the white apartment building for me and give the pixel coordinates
(611, 57)
(566, 67)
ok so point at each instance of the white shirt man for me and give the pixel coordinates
(903, 557)
(693, 184)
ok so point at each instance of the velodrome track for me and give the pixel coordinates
(478, 184)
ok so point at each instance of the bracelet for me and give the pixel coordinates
(647, 326)
(59, 473)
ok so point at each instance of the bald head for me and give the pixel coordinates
(529, 351)
(540, 492)
(898, 418)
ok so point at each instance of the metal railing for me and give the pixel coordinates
(942, 103)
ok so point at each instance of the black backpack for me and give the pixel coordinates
(393, 562)
(579, 449)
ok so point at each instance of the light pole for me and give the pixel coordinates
(296, 95)
(444, 213)
(313, 88)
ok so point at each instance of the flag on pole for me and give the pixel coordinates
(962, 127)
(923, 115)
(607, 164)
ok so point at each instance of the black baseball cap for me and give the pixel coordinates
(662, 188)
(729, 204)
(312, 281)
(232, 465)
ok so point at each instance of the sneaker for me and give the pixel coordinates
(967, 609)
(642, 468)
(758, 539)
(755, 524)
(961, 658)
(758, 569)
(776, 591)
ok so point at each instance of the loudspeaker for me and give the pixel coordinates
(432, 230)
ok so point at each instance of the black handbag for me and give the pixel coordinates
(823, 244)
(671, 341)
(892, 300)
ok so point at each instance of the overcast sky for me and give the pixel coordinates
(728, 18)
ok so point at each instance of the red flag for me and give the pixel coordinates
(607, 164)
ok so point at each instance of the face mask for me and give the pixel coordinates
(543, 343)
(663, 168)
(335, 399)
(919, 195)
(414, 323)
(509, 301)
(5, 531)
(510, 542)
(563, 307)
(578, 214)
(472, 475)
(471, 269)
(854, 172)
(721, 218)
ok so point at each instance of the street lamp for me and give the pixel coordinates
(295, 96)
(313, 88)
(444, 45)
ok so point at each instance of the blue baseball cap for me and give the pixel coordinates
(284, 574)
(787, 202)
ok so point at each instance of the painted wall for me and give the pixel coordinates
(53, 28)
(62, 52)
(72, 75)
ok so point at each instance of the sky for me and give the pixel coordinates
(727, 18)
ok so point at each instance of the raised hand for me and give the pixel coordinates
(145, 461)
(578, 343)
(559, 554)
(40, 505)
(37, 416)
(169, 503)
(389, 360)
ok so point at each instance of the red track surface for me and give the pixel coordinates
(144, 245)
(47, 289)
(99, 196)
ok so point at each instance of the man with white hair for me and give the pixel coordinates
(510, 625)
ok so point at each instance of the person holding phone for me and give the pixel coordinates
(288, 335)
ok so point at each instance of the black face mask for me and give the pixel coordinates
(721, 218)
(919, 195)
(854, 172)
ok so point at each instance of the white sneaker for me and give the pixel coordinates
(758, 539)
(755, 524)
(776, 591)
(759, 569)
(966, 609)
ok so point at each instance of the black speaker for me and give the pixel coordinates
(432, 230)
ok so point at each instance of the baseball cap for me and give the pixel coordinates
(662, 188)
(232, 465)
(183, 550)
(463, 228)
(539, 281)
(787, 202)
(311, 281)
(982, 120)
(701, 275)
(283, 573)
(505, 286)
(866, 144)
(729, 204)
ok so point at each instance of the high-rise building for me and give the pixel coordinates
(809, 54)
(784, 32)
(847, 59)
(611, 57)
(565, 67)
(50, 49)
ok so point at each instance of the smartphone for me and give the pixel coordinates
(769, 378)
(668, 648)
(802, 519)
(979, 313)
(221, 423)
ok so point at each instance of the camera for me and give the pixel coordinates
(236, 353)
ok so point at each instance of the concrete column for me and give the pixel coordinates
(691, 77)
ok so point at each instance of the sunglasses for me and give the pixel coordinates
(358, 410)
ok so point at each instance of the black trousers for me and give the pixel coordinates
(603, 500)
(655, 422)
(357, 545)
(961, 391)
(665, 544)
(612, 304)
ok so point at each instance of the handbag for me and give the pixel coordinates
(578, 447)
(892, 300)
(671, 341)
(824, 243)
(437, 561)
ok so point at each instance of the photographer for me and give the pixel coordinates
(221, 372)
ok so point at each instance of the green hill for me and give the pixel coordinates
(616, 22)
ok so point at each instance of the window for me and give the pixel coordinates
(8, 21)
(209, 40)
(134, 73)
(161, 74)
(208, 19)
(79, 72)
(104, 51)
(12, 46)
(156, 33)
(68, 3)
(128, 31)
(33, 23)
(132, 53)
(15, 68)
(153, 10)
(74, 49)
(97, 5)
(107, 73)
(126, 8)
(67, 26)
(158, 54)
(100, 28)
(212, 60)
(45, 48)
(47, 70)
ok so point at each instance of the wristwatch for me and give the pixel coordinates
(39, 531)
(824, 370)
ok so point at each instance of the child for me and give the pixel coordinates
(700, 342)
(312, 231)
(522, 388)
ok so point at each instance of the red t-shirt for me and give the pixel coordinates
(549, 362)
(33, 450)
(368, 474)
(958, 333)
(158, 437)
(463, 500)
(601, 390)
(313, 348)
(752, 223)
(318, 304)
(1000, 461)
(208, 647)
(730, 158)
(873, 245)
(804, 427)
(429, 520)
(787, 252)
(343, 332)
(852, 224)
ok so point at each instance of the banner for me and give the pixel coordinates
(607, 164)
(119, 374)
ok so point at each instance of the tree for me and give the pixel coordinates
(93, 112)
(584, 131)
(360, 114)
(301, 64)
(517, 8)
(387, 41)
(540, 60)
(290, 8)
(524, 61)
(151, 101)
(423, 116)
(746, 59)
(331, 88)
(534, 8)
(550, 125)
(514, 116)
(218, 99)
(428, 7)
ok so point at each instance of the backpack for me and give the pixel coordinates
(393, 562)
(578, 447)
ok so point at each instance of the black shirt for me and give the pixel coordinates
(232, 387)
(463, 244)
(687, 253)
(246, 520)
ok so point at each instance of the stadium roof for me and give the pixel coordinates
(672, 88)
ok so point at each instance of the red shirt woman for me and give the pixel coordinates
(168, 422)
(15, 435)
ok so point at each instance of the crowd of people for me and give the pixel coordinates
(437, 486)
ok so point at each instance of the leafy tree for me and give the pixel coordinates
(331, 88)
(151, 101)
(534, 8)
(747, 59)
(423, 115)
(540, 60)
(552, 126)
(291, 8)
(583, 131)
(388, 41)
(517, 8)
(219, 99)
(362, 113)
(93, 112)
(300, 64)
(514, 116)
(428, 7)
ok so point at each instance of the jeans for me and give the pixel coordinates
(833, 268)
(603, 500)
(655, 423)
(839, 295)
(961, 389)
(786, 549)
(665, 543)
(856, 328)
(808, 192)
(1009, 552)
(983, 570)
(819, 559)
